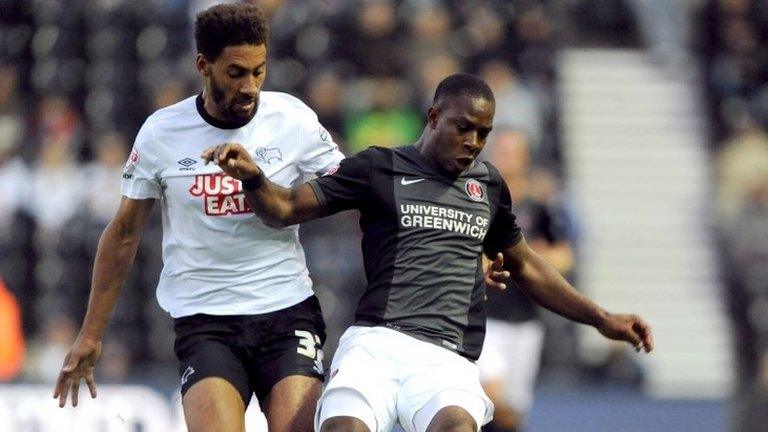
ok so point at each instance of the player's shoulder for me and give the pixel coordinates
(284, 104)
(171, 113)
(488, 170)
(367, 159)
(376, 153)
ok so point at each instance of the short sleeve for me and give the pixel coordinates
(504, 231)
(348, 187)
(139, 175)
(320, 155)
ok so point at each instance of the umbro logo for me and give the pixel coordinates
(406, 182)
(187, 163)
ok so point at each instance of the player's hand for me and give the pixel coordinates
(77, 365)
(630, 328)
(234, 159)
(495, 275)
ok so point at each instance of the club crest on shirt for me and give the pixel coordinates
(187, 373)
(222, 195)
(474, 190)
(268, 155)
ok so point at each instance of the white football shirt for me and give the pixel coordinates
(218, 257)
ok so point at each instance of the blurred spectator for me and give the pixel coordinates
(430, 30)
(733, 43)
(372, 39)
(168, 93)
(429, 71)
(102, 191)
(57, 184)
(517, 107)
(389, 122)
(11, 336)
(115, 362)
(13, 170)
(605, 22)
(733, 47)
(742, 165)
(515, 334)
(325, 92)
(47, 350)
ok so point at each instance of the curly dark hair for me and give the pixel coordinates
(229, 24)
(462, 85)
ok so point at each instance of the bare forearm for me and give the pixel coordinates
(278, 206)
(271, 202)
(548, 288)
(114, 258)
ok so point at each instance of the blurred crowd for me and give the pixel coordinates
(78, 78)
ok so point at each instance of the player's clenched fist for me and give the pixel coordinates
(234, 159)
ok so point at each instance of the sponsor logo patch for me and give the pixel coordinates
(222, 195)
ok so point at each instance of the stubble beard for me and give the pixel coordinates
(227, 110)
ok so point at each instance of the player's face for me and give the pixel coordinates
(461, 126)
(234, 81)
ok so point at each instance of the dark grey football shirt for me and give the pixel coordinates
(423, 236)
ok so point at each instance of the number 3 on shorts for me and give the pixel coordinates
(307, 343)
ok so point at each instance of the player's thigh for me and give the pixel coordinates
(289, 344)
(451, 410)
(346, 410)
(206, 356)
(362, 385)
(213, 405)
(290, 405)
(440, 380)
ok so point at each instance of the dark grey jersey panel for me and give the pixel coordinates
(423, 235)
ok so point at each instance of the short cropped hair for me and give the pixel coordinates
(229, 24)
(462, 85)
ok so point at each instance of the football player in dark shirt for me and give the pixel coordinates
(428, 214)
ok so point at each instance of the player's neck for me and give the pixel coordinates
(210, 107)
(425, 150)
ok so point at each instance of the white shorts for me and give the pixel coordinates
(383, 377)
(511, 354)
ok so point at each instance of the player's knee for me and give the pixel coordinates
(452, 419)
(213, 404)
(344, 424)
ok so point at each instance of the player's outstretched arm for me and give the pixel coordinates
(275, 205)
(114, 257)
(548, 288)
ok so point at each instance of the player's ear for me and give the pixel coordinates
(432, 115)
(201, 64)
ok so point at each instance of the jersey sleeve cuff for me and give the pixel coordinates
(321, 198)
(139, 192)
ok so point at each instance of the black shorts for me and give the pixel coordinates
(253, 352)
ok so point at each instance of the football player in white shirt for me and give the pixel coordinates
(245, 316)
